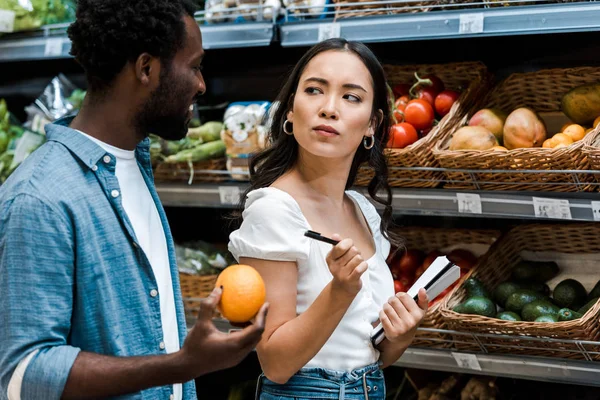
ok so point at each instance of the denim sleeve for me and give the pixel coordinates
(36, 296)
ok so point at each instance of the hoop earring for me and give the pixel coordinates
(291, 132)
(370, 146)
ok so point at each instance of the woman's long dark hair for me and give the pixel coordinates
(281, 153)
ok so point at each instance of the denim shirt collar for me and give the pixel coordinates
(84, 149)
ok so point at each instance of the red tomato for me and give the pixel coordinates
(436, 83)
(428, 94)
(401, 89)
(419, 113)
(409, 262)
(402, 135)
(401, 103)
(444, 101)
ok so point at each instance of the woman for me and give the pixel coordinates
(324, 300)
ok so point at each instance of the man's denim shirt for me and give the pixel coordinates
(72, 276)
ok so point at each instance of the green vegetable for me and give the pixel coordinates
(508, 316)
(547, 318)
(201, 152)
(475, 287)
(478, 306)
(4, 139)
(566, 314)
(587, 306)
(209, 132)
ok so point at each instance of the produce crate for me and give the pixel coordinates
(445, 240)
(194, 288)
(524, 169)
(466, 77)
(203, 171)
(576, 249)
(367, 8)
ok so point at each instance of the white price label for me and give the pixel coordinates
(54, 47)
(467, 361)
(7, 21)
(471, 23)
(551, 208)
(596, 210)
(329, 31)
(469, 203)
(229, 195)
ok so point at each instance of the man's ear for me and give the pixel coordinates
(146, 68)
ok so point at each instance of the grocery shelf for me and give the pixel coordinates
(52, 41)
(560, 370)
(440, 202)
(510, 366)
(449, 23)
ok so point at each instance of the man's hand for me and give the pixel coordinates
(206, 349)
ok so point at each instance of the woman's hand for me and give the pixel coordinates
(347, 266)
(401, 316)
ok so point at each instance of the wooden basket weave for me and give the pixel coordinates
(575, 248)
(203, 171)
(357, 8)
(541, 91)
(466, 77)
(591, 149)
(444, 240)
(194, 288)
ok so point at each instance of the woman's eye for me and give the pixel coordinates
(352, 98)
(312, 90)
(199, 68)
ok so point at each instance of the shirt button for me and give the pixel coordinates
(114, 193)
(154, 293)
(106, 159)
(94, 168)
(162, 345)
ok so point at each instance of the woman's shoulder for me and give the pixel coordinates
(368, 209)
(271, 201)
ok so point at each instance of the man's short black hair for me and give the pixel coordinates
(109, 33)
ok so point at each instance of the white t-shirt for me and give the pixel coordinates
(145, 220)
(273, 229)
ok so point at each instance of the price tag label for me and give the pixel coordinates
(467, 361)
(54, 47)
(329, 31)
(229, 195)
(471, 23)
(7, 21)
(596, 210)
(551, 208)
(469, 203)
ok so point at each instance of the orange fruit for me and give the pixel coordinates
(565, 126)
(499, 148)
(577, 132)
(549, 143)
(596, 122)
(243, 293)
(562, 138)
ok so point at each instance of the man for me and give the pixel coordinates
(90, 300)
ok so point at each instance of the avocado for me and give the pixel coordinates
(538, 308)
(595, 292)
(478, 306)
(547, 318)
(508, 316)
(536, 271)
(475, 288)
(520, 298)
(568, 315)
(587, 306)
(537, 286)
(504, 290)
(570, 294)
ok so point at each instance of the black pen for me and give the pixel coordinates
(319, 237)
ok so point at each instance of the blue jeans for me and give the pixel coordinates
(318, 383)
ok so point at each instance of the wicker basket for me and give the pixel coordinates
(193, 289)
(357, 8)
(444, 240)
(576, 249)
(466, 77)
(542, 91)
(203, 171)
(591, 149)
